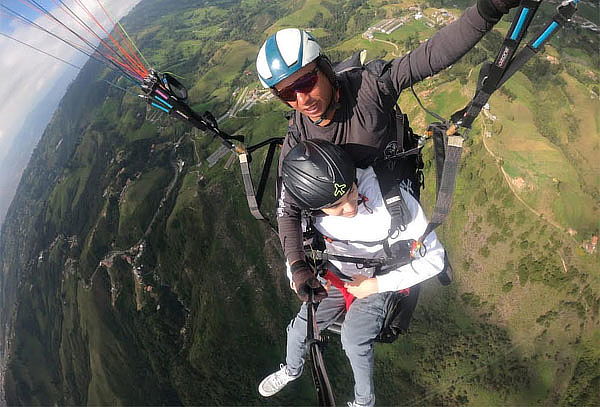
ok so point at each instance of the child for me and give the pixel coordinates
(348, 210)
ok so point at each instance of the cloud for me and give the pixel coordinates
(29, 75)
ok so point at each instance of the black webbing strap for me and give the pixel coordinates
(255, 198)
(392, 198)
(450, 145)
(378, 262)
(264, 177)
(489, 83)
(564, 12)
(249, 186)
(364, 262)
(437, 132)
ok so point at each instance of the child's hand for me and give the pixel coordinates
(362, 286)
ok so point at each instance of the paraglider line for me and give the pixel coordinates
(140, 69)
(133, 43)
(108, 61)
(43, 10)
(114, 85)
(78, 19)
(39, 50)
(126, 38)
(126, 60)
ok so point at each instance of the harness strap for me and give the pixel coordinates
(392, 198)
(253, 198)
(398, 254)
(364, 262)
(273, 143)
(564, 12)
(448, 148)
(249, 187)
(490, 82)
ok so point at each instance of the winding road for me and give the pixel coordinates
(396, 53)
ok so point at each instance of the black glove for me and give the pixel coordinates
(493, 10)
(305, 281)
(504, 6)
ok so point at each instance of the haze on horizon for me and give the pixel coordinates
(35, 82)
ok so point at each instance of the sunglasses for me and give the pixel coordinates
(304, 84)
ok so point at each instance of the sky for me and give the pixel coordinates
(27, 75)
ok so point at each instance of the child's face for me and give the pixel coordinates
(346, 206)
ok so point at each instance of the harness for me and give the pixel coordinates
(397, 254)
(401, 162)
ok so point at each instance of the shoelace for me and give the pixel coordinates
(279, 377)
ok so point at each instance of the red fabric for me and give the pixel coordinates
(339, 284)
(349, 298)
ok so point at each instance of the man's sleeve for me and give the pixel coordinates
(445, 48)
(421, 268)
(289, 221)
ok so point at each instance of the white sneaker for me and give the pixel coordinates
(355, 404)
(276, 381)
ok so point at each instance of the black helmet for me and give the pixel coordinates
(316, 173)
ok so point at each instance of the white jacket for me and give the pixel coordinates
(371, 224)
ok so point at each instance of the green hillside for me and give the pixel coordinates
(142, 279)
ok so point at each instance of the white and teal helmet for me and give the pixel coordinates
(283, 53)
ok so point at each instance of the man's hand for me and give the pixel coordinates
(504, 6)
(362, 286)
(493, 10)
(304, 281)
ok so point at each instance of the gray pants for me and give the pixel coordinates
(362, 324)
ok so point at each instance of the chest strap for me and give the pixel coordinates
(398, 254)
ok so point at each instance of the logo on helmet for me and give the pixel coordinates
(340, 189)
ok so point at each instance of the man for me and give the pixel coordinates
(354, 109)
(348, 210)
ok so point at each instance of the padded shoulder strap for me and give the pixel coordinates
(293, 130)
(392, 197)
(381, 70)
(355, 61)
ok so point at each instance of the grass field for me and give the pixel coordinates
(139, 203)
(374, 49)
(548, 179)
(412, 27)
(301, 17)
(228, 64)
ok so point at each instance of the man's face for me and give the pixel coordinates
(346, 206)
(313, 103)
